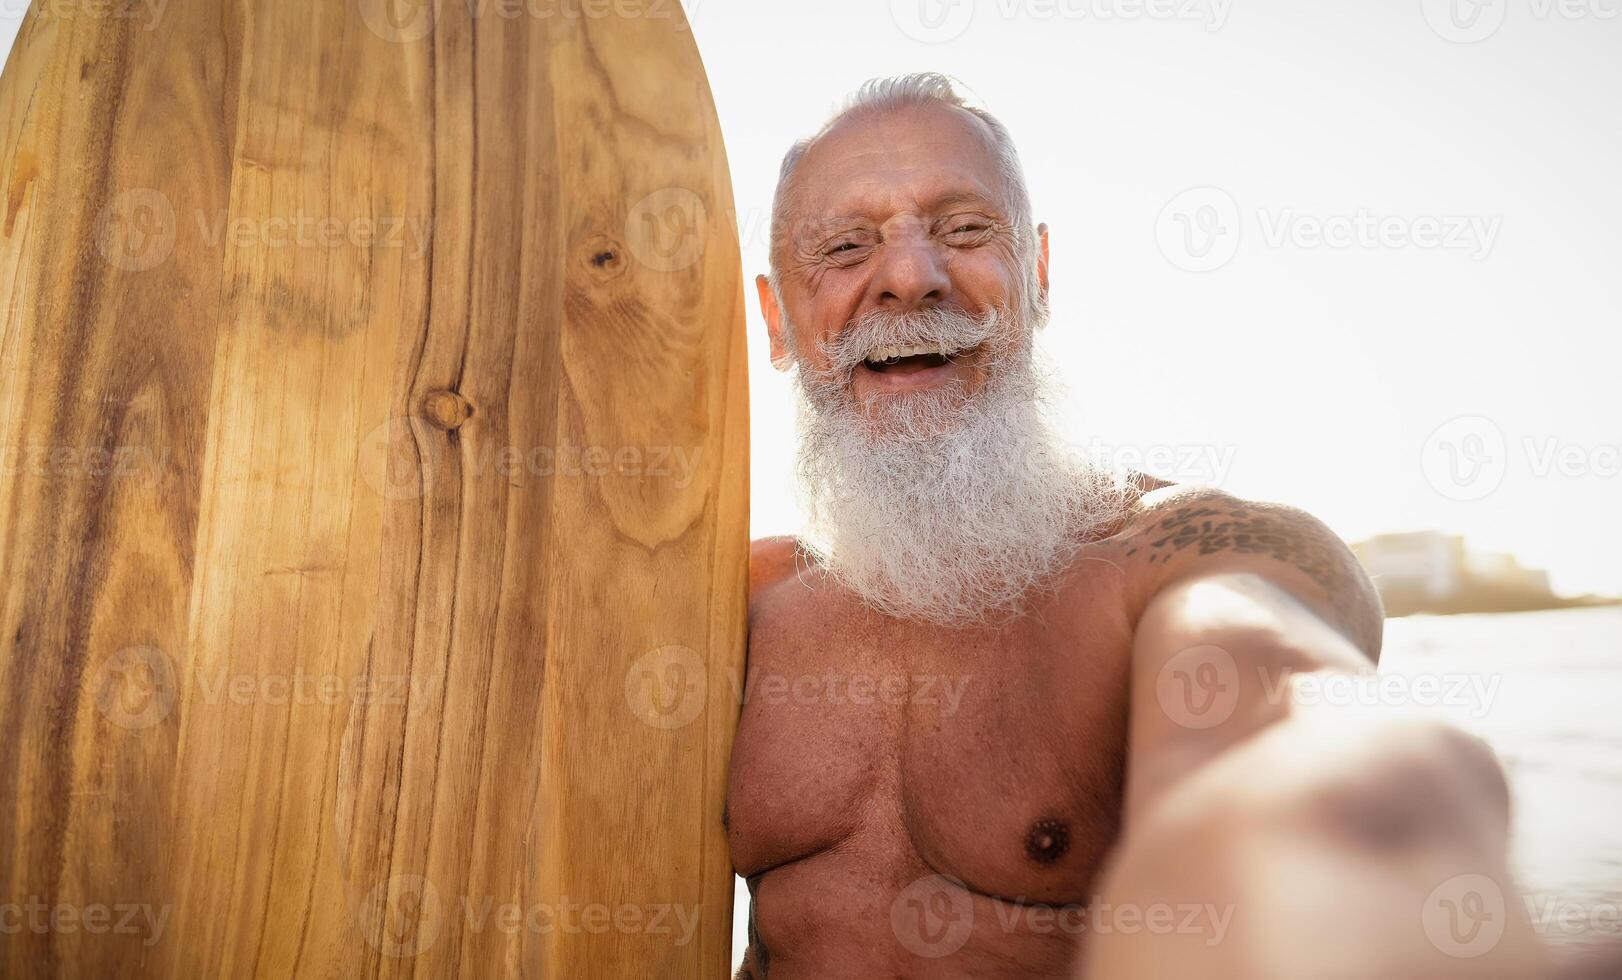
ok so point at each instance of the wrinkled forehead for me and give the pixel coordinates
(884, 162)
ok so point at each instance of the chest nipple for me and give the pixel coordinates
(1047, 841)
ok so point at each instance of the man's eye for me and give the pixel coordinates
(963, 228)
(845, 250)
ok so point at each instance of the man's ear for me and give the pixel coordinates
(773, 314)
(1042, 259)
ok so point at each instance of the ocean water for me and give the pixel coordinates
(1545, 690)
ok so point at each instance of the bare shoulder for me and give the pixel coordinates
(783, 606)
(1178, 531)
(771, 560)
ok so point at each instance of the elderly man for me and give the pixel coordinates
(1012, 716)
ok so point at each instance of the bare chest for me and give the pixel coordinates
(993, 757)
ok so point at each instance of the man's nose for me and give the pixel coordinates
(909, 276)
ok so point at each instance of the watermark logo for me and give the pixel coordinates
(1464, 917)
(136, 230)
(1200, 229)
(1198, 688)
(1465, 21)
(1558, 918)
(396, 466)
(944, 692)
(667, 687)
(932, 21)
(1364, 229)
(150, 11)
(138, 464)
(933, 917)
(303, 230)
(402, 916)
(391, 463)
(1472, 694)
(666, 229)
(399, 21)
(136, 688)
(1465, 459)
(42, 918)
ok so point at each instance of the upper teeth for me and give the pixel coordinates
(891, 353)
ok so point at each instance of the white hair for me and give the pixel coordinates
(884, 94)
(944, 507)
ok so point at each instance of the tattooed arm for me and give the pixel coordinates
(1331, 838)
(1231, 596)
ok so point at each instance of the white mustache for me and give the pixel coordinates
(943, 328)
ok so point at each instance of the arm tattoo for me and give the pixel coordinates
(1198, 528)
(1207, 528)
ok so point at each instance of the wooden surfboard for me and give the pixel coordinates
(372, 491)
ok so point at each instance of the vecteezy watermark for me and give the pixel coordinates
(1473, 21)
(405, 21)
(1472, 694)
(1558, 916)
(934, 917)
(941, 21)
(401, 916)
(147, 11)
(138, 686)
(1472, 234)
(1200, 687)
(1465, 21)
(138, 229)
(405, 915)
(856, 689)
(300, 230)
(393, 464)
(1465, 459)
(99, 463)
(41, 917)
(1468, 458)
(1465, 916)
(1204, 464)
(667, 687)
(301, 688)
(667, 230)
(1200, 230)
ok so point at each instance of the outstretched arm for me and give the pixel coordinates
(1317, 839)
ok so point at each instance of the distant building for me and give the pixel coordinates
(1432, 572)
(1504, 570)
(1425, 564)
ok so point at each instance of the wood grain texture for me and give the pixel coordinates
(373, 537)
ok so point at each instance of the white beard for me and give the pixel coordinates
(949, 509)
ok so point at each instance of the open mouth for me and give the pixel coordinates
(909, 360)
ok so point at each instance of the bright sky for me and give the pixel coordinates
(1294, 371)
(1486, 281)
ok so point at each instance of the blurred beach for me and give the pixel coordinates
(1543, 690)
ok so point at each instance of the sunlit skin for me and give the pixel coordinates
(995, 777)
(898, 218)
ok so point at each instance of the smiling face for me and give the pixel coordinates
(894, 213)
(936, 485)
